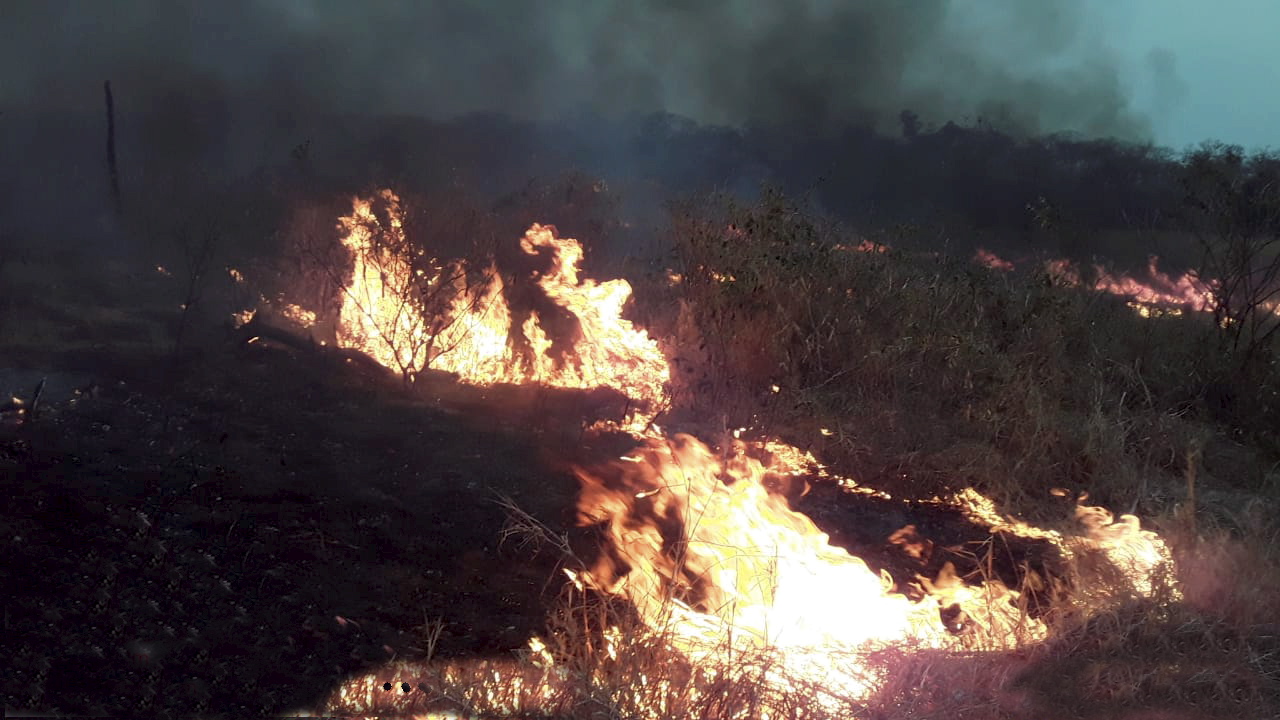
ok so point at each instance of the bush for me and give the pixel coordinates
(923, 373)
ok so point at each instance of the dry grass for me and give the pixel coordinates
(930, 374)
(947, 372)
(1114, 658)
(1198, 646)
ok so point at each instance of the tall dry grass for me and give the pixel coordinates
(921, 374)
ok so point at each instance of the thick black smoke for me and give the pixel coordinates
(812, 64)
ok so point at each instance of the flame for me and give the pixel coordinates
(298, 315)
(473, 335)
(1158, 294)
(702, 543)
(991, 260)
(1138, 557)
(706, 553)
(377, 315)
(611, 351)
(1153, 311)
(1160, 289)
(863, 246)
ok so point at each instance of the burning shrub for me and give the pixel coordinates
(306, 267)
(410, 310)
(400, 302)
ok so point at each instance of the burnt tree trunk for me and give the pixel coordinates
(113, 172)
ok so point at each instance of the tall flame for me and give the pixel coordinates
(378, 315)
(383, 316)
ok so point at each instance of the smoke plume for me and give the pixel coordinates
(812, 64)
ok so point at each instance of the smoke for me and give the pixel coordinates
(207, 93)
(1168, 87)
(811, 64)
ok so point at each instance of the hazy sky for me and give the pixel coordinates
(1173, 71)
(1199, 69)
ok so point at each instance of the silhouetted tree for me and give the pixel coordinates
(1234, 209)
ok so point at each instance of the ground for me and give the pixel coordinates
(245, 542)
(236, 527)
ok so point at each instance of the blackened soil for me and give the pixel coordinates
(235, 536)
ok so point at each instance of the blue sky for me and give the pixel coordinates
(1226, 55)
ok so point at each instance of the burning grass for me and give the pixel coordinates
(924, 374)
(771, 380)
(739, 588)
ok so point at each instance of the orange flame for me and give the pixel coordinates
(378, 316)
(709, 556)
(1136, 556)
(473, 335)
(1160, 289)
(991, 260)
(1147, 296)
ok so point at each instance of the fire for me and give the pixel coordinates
(243, 317)
(864, 246)
(611, 352)
(378, 316)
(298, 315)
(991, 260)
(703, 544)
(1160, 289)
(1157, 295)
(705, 552)
(471, 334)
(1136, 556)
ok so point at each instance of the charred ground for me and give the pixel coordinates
(236, 526)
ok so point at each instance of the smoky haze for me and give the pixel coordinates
(812, 64)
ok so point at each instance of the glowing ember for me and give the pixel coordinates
(243, 317)
(991, 260)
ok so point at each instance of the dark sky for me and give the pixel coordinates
(814, 64)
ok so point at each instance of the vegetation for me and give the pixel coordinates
(1234, 207)
(953, 373)
(281, 505)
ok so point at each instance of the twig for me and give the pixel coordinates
(35, 400)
